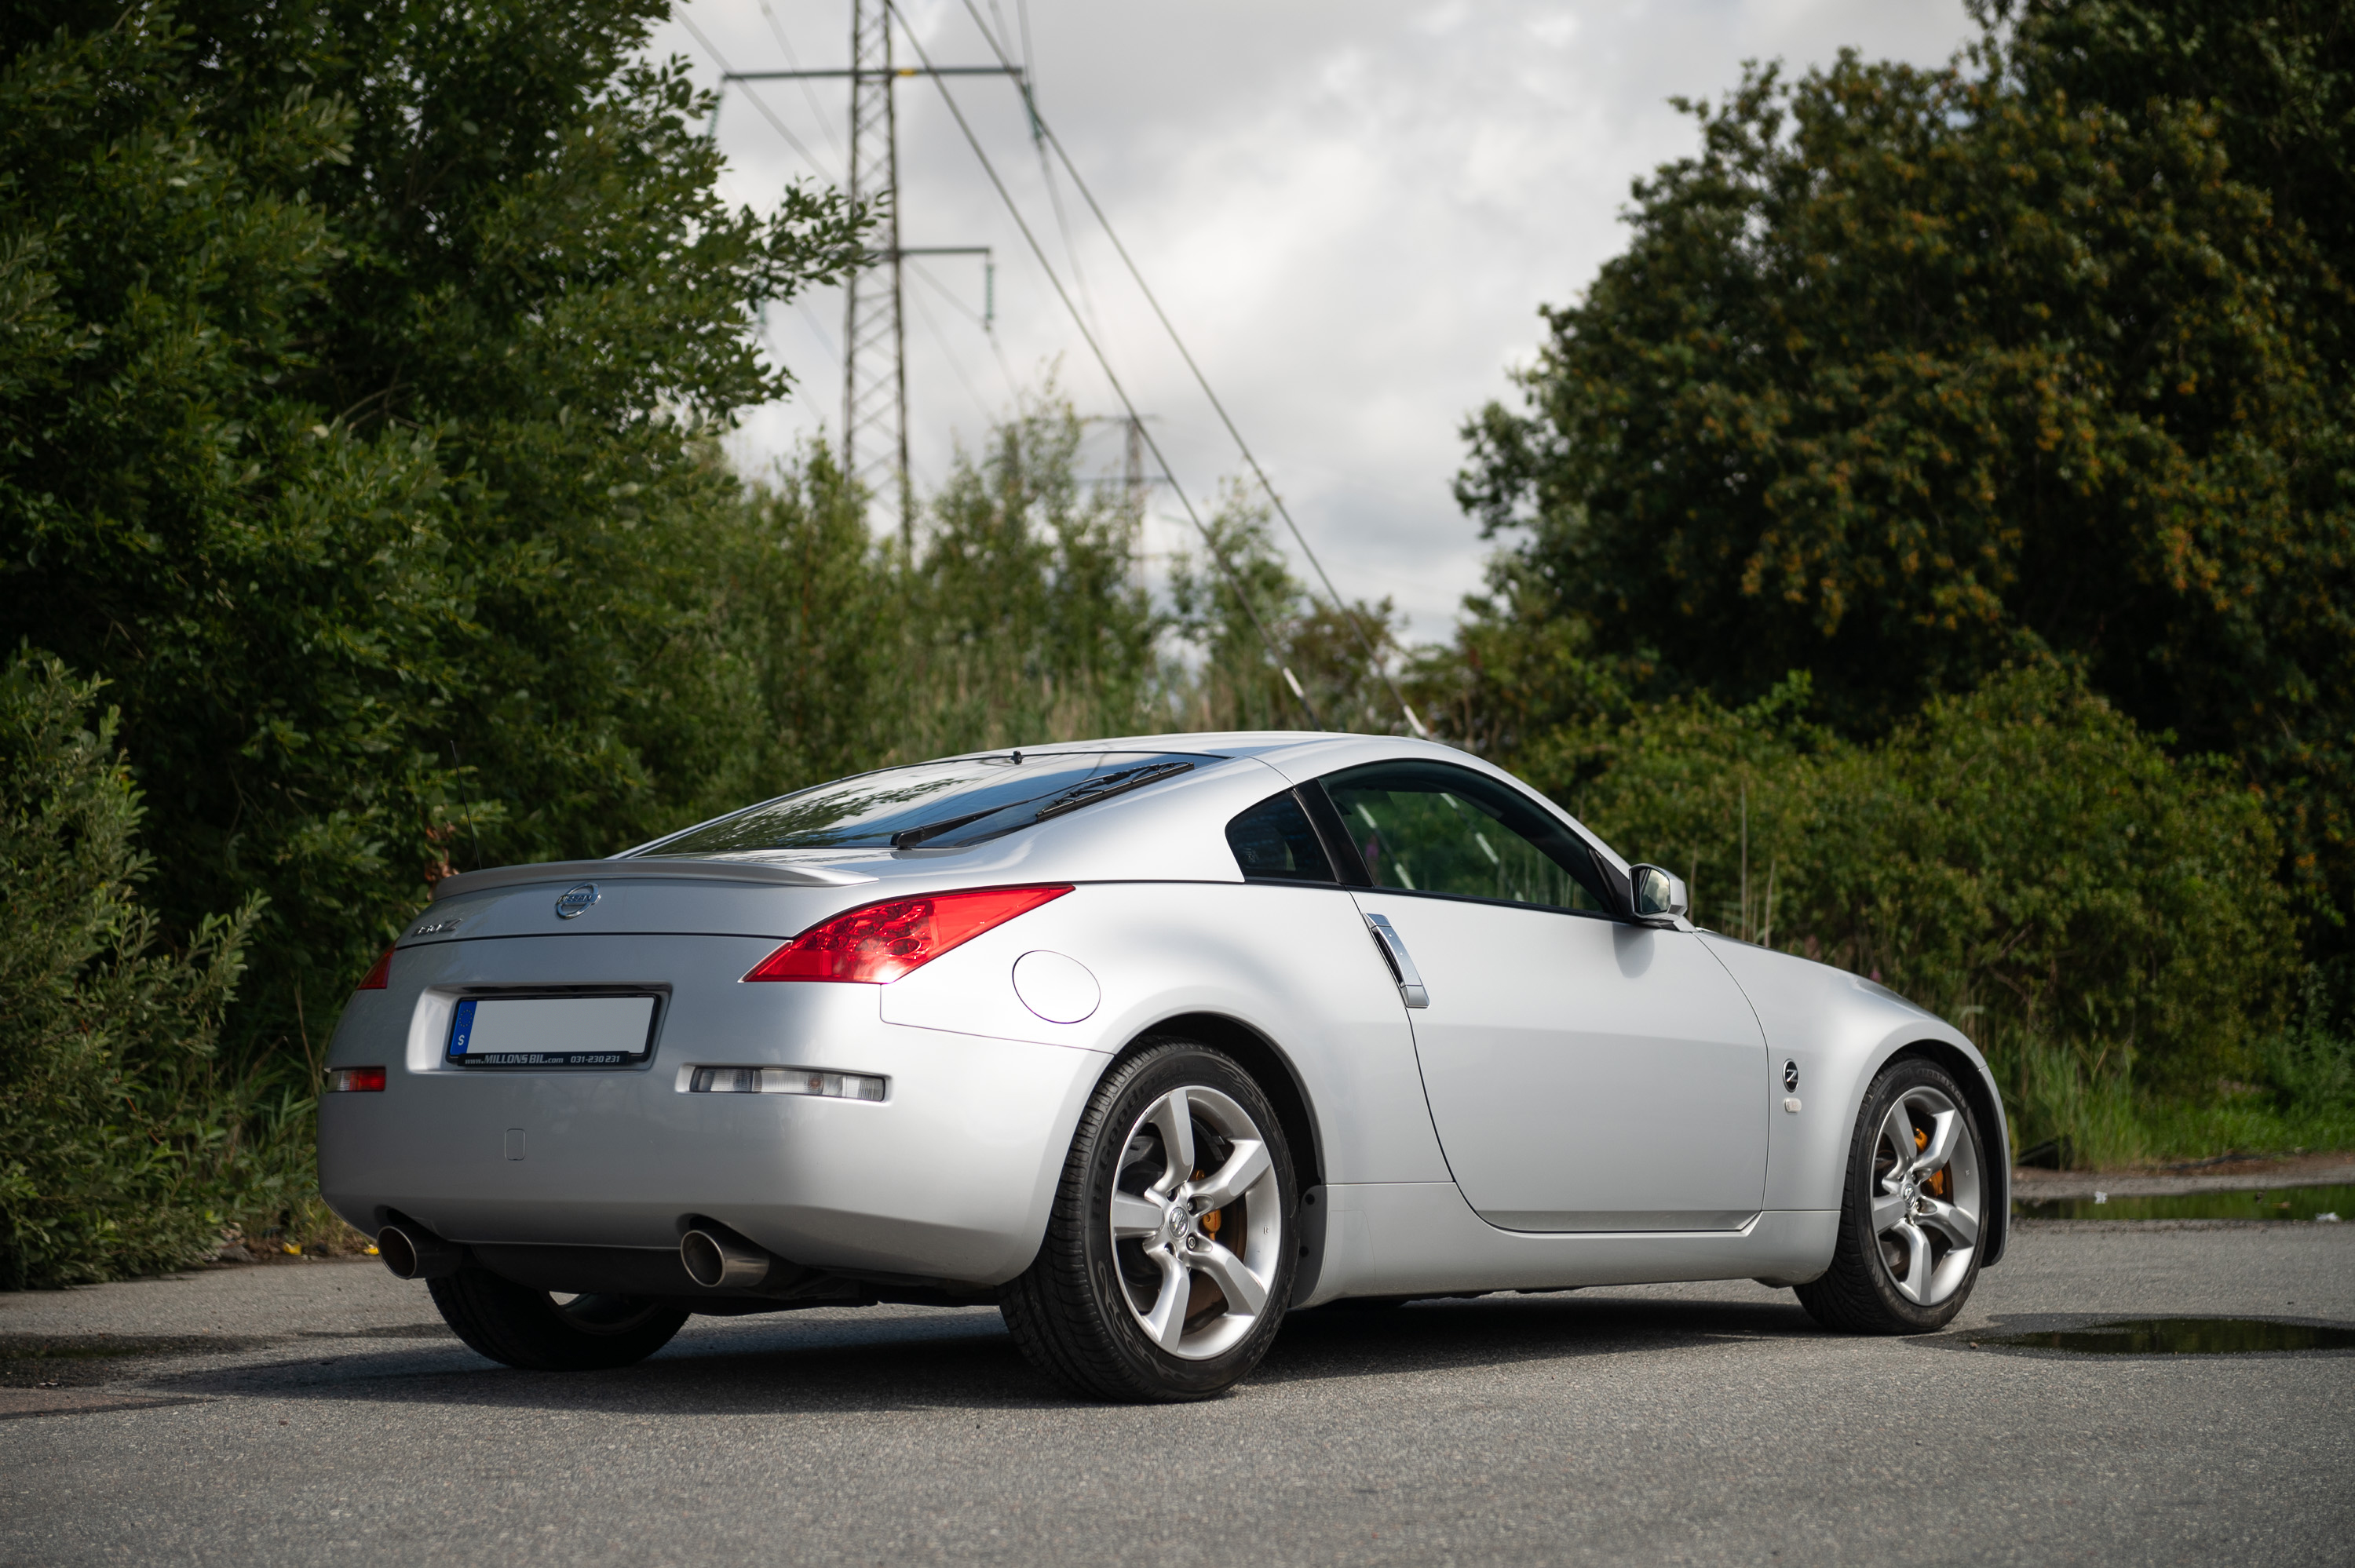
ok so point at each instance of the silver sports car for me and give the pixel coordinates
(1148, 1041)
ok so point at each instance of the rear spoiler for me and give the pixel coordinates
(775, 874)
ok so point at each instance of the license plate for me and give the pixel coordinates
(552, 1031)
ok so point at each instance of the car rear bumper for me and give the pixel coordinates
(949, 1177)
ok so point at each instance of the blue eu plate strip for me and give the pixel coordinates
(462, 1027)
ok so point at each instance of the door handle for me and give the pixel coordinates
(1394, 953)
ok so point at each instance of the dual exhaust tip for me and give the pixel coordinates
(412, 1252)
(715, 1257)
(718, 1259)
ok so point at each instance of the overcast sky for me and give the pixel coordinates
(1352, 210)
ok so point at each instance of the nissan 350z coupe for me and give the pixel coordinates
(1147, 1041)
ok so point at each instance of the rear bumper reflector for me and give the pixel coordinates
(783, 1081)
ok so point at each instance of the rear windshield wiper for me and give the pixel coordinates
(909, 838)
(1111, 784)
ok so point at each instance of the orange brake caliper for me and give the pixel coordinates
(1936, 1185)
(1211, 1220)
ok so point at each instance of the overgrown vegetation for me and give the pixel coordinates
(1930, 535)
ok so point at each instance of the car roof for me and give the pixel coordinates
(1298, 756)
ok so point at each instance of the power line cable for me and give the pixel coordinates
(766, 112)
(946, 294)
(1046, 133)
(1063, 227)
(1209, 541)
(1022, 14)
(1046, 171)
(817, 329)
(808, 92)
(924, 313)
(1013, 389)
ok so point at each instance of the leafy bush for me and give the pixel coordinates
(117, 1135)
(2020, 859)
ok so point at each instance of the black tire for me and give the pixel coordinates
(530, 1329)
(1862, 1292)
(1072, 1312)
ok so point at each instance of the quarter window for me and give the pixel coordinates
(1428, 827)
(1274, 842)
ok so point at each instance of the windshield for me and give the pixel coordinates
(932, 805)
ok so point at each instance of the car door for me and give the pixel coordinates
(1585, 1073)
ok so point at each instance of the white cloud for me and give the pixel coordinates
(1352, 211)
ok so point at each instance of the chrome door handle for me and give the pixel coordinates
(1394, 953)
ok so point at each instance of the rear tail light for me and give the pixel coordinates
(379, 976)
(355, 1080)
(880, 942)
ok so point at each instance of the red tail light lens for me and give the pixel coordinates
(881, 942)
(379, 976)
(355, 1080)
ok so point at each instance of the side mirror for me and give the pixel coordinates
(1660, 896)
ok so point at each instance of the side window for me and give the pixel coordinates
(1427, 827)
(1274, 842)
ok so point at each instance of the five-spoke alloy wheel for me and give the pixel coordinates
(1912, 1209)
(1166, 1266)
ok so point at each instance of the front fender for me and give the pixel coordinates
(1838, 1030)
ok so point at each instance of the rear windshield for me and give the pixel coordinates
(932, 805)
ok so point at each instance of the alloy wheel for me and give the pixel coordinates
(1926, 1202)
(1196, 1222)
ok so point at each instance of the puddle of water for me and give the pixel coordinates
(2278, 1204)
(2179, 1337)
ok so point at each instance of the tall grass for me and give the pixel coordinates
(2081, 1106)
(2078, 1099)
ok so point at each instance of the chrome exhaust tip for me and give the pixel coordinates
(412, 1252)
(717, 1259)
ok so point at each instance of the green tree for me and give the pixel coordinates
(358, 371)
(1017, 618)
(1250, 623)
(1908, 374)
(1028, 618)
(809, 611)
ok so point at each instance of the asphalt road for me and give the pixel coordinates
(321, 1415)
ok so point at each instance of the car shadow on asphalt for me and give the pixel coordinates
(1442, 1334)
(967, 1361)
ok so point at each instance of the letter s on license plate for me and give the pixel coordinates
(552, 1031)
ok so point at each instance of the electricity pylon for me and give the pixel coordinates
(874, 345)
(874, 341)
